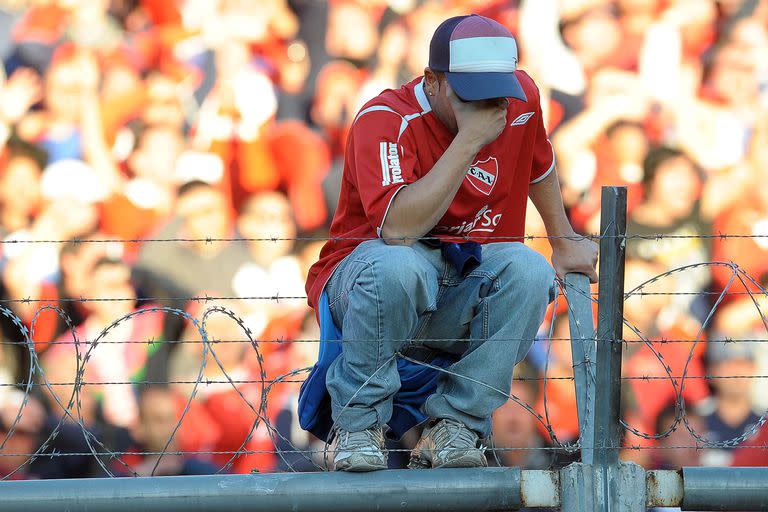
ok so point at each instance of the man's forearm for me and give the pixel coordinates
(549, 202)
(417, 208)
(569, 253)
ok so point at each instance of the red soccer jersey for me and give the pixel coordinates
(396, 139)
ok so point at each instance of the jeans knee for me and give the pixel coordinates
(401, 275)
(530, 271)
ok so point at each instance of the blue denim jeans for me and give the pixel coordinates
(385, 297)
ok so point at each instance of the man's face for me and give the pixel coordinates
(680, 457)
(629, 144)
(677, 174)
(205, 214)
(158, 419)
(730, 388)
(513, 426)
(63, 90)
(351, 32)
(443, 98)
(268, 216)
(595, 37)
(163, 104)
(155, 156)
(111, 280)
(440, 93)
(76, 266)
(20, 185)
(734, 75)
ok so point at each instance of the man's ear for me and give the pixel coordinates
(431, 82)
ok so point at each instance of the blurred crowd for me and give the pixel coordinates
(187, 154)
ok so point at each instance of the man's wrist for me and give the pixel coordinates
(469, 146)
(561, 238)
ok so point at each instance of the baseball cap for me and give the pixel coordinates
(478, 56)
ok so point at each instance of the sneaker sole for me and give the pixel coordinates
(359, 464)
(467, 461)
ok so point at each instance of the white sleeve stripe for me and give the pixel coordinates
(375, 108)
(403, 126)
(385, 177)
(384, 108)
(422, 98)
(405, 122)
(384, 218)
(549, 171)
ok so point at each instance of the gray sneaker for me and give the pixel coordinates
(448, 444)
(360, 451)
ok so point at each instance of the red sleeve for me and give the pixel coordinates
(381, 160)
(543, 154)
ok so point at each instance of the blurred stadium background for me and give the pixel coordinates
(186, 154)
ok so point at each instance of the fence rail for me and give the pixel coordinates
(447, 490)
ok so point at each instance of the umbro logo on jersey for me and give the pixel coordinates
(390, 164)
(482, 175)
(522, 119)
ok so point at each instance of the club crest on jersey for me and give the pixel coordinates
(483, 175)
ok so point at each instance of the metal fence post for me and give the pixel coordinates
(604, 484)
(610, 316)
(583, 351)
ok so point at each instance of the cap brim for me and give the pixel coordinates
(485, 86)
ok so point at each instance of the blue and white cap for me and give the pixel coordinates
(478, 56)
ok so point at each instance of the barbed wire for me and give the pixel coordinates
(108, 460)
(278, 298)
(211, 382)
(441, 236)
(389, 450)
(679, 388)
(287, 341)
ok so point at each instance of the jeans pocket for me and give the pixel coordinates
(423, 323)
(339, 285)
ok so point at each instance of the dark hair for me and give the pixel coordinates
(665, 417)
(20, 148)
(527, 376)
(622, 123)
(659, 155)
(74, 246)
(192, 186)
(107, 261)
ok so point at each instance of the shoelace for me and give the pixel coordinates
(455, 435)
(356, 440)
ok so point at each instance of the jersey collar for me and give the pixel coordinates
(422, 98)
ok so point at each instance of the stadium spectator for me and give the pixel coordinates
(221, 419)
(273, 270)
(147, 197)
(729, 415)
(206, 261)
(669, 456)
(65, 290)
(20, 195)
(653, 318)
(153, 434)
(680, 216)
(112, 363)
(516, 433)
